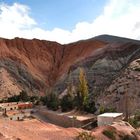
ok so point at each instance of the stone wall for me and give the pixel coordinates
(63, 120)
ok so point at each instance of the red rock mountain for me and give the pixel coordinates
(35, 65)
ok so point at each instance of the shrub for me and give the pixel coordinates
(23, 96)
(43, 100)
(109, 134)
(85, 136)
(137, 115)
(67, 103)
(14, 98)
(128, 137)
(103, 109)
(34, 99)
(78, 100)
(135, 121)
(137, 69)
(90, 107)
(52, 101)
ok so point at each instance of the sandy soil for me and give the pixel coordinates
(36, 130)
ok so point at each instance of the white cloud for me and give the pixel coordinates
(119, 17)
(14, 19)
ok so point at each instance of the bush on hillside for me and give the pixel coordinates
(43, 100)
(14, 98)
(135, 121)
(109, 134)
(23, 96)
(104, 110)
(90, 107)
(128, 137)
(85, 136)
(53, 101)
(67, 103)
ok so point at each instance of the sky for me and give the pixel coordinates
(68, 21)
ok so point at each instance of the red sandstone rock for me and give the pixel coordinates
(46, 61)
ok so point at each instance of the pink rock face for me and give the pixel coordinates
(36, 65)
(45, 61)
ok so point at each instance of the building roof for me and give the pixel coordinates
(12, 112)
(110, 115)
(14, 103)
(8, 104)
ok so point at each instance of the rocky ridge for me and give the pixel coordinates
(37, 65)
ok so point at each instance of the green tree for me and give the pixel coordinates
(82, 100)
(43, 100)
(23, 96)
(67, 103)
(53, 101)
(83, 88)
(14, 98)
(90, 106)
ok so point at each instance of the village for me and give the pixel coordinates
(18, 111)
(38, 119)
(72, 109)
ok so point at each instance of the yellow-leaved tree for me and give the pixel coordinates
(83, 87)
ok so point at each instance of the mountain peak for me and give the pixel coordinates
(112, 38)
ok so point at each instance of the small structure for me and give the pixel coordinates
(26, 105)
(16, 110)
(108, 118)
(9, 106)
(27, 112)
(15, 106)
(15, 115)
(67, 119)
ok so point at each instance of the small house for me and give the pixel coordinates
(15, 115)
(108, 118)
(9, 106)
(26, 105)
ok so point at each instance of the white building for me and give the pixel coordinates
(15, 115)
(16, 110)
(108, 118)
(9, 106)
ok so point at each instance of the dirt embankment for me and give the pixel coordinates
(36, 130)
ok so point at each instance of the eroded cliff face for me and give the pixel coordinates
(103, 66)
(35, 65)
(32, 63)
(126, 87)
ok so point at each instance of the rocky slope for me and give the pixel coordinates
(36, 65)
(124, 87)
(118, 131)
